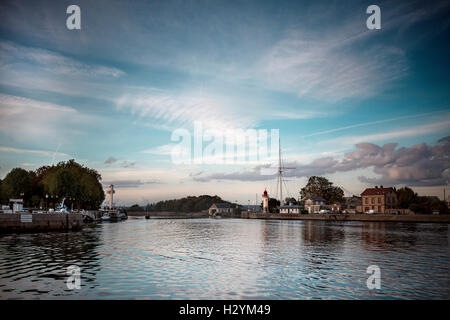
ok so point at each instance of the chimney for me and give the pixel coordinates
(376, 187)
(381, 187)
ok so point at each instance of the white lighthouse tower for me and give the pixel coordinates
(111, 192)
(265, 202)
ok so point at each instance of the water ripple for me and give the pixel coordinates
(229, 259)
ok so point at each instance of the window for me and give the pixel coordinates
(379, 208)
(373, 200)
(379, 199)
(367, 200)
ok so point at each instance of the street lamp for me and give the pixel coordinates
(46, 200)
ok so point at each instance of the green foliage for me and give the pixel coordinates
(187, 204)
(291, 200)
(273, 204)
(66, 179)
(428, 204)
(321, 187)
(406, 197)
(16, 182)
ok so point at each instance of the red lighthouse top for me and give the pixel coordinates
(265, 194)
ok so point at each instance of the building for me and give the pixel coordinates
(337, 207)
(313, 204)
(219, 208)
(353, 204)
(379, 199)
(251, 208)
(291, 209)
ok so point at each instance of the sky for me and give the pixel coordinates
(361, 107)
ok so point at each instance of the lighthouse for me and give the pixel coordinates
(265, 202)
(111, 192)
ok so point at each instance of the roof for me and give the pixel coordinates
(292, 207)
(222, 205)
(252, 206)
(376, 191)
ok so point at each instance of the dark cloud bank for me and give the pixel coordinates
(419, 165)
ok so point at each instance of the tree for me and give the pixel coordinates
(17, 182)
(406, 197)
(187, 204)
(273, 204)
(291, 200)
(2, 197)
(66, 179)
(321, 187)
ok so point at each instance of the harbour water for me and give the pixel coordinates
(229, 259)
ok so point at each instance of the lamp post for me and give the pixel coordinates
(46, 201)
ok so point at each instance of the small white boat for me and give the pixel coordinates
(106, 217)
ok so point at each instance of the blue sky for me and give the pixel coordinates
(111, 94)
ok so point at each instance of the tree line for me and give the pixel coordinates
(186, 204)
(408, 199)
(48, 185)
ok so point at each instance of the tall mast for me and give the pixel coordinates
(280, 171)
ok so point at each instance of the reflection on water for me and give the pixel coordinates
(229, 259)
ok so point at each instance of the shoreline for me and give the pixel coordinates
(418, 218)
(73, 221)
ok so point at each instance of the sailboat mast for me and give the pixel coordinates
(280, 171)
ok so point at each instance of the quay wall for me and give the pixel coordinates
(24, 222)
(351, 217)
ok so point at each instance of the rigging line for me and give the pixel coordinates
(56, 151)
(287, 190)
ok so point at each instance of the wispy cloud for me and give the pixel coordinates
(28, 120)
(183, 110)
(35, 152)
(370, 123)
(130, 183)
(412, 131)
(327, 67)
(15, 56)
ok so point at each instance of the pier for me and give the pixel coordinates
(23, 222)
